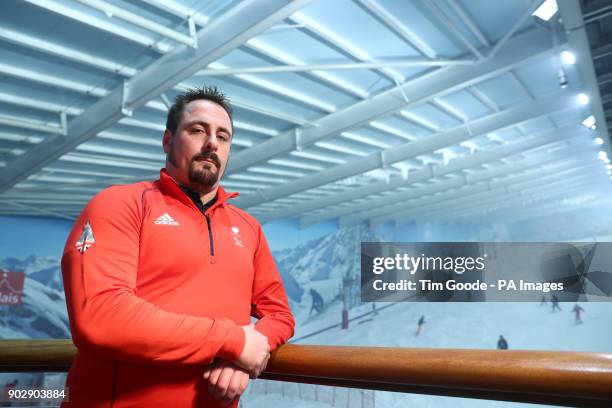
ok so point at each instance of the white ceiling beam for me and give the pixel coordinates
(597, 17)
(114, 11)
(48, 47)
(602, 52)
(513, 204)
(573, 181)
(517, 24)
(547, 209)
(324, 34)
(553, 179)
(525, 48)
(42, 196)
(62, 51)
(37, 210)
(335, 66)
(102, 182)
(102, 23)
(30, 124)
(60, 109)
(470, 195)
(229, 31)
(180, 10)
(596, 7)
(469, 23)
(453, 167)
(107, 161)
(521, 85)
(281, 90)
(530, 110)
(387, 18)
(91, 146)
(484, 99)
(514, 207)
(51, 80)
(37, 104)
(447, 23)
(260, 47)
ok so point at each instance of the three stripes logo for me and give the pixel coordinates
(165, 219)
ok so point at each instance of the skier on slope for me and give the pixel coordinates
(419, 325)
(576, 310)
(502, 344)
(555, 303)
(317, 301)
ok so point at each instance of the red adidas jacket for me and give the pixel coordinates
(156, 290)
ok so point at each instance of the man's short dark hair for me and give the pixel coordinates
(208, 93)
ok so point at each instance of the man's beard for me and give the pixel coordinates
(200, 177)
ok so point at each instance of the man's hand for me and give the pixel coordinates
(226, 381)
(256, 352)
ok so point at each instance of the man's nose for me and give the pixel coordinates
(211, 143)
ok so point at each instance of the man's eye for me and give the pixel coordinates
(197, 130)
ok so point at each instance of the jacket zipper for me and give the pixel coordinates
(210, 236)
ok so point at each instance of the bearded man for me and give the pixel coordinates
(162, 279)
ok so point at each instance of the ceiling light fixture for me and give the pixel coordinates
(546, 10)
(583, 99)
(589, 122)
(562, 78)
(568, 57)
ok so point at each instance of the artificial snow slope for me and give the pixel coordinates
(526, 326)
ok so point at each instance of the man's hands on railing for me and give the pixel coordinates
(226, 381)
(256, 352)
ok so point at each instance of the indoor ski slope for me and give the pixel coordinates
(526, 326)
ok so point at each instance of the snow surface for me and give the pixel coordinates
(526, 326)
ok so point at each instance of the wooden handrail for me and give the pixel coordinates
(36, 355)
(560, 378)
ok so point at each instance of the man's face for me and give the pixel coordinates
(197, 153)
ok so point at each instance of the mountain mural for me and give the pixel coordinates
(42, 313)
(44, 269)
(321, 264)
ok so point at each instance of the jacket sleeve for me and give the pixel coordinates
(269, 300)
(106, 315)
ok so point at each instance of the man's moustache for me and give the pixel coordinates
(208, 156)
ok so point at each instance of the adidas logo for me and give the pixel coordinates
(165, 219)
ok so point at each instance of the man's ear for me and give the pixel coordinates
(167, 141)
